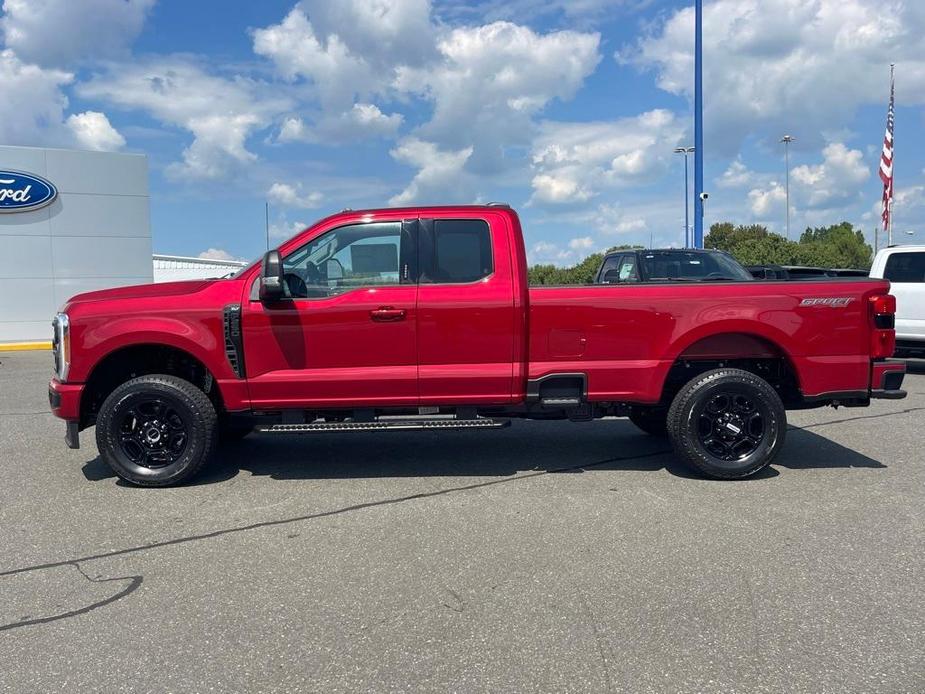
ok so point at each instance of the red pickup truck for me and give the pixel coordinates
(421, 318)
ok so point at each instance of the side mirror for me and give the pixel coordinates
(271, 277)
(611, 276)
(333, 270)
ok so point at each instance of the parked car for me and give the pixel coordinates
(669, 265)
(767, 272)
(800, 272)
(904, 267)
(421, 318)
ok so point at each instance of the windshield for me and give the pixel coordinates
(687, 265)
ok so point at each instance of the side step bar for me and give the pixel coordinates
(387, 425)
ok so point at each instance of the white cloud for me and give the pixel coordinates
(294, 129)
(440, 176)
(486, 83)
(547, 252)
(737, 175)
(763, 202)
(33, 103)
(58, 32)
(772, 66)
(292, 196)
(582, 243)
(297, 52)
(524, 10)
(221, 113)
(611, 219)
(283, 229)
(829, 185)
(216, 254)
(362, 120)
(835, 181)
(92, 130)
(574, 161)
(490, 81)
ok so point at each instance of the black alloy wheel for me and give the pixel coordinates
(730, 426)
(153, 433)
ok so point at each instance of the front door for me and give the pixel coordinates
(345, 335)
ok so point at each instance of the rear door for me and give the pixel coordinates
(466, 311)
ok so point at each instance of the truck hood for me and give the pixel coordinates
(141, 291)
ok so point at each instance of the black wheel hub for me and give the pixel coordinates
(731, 427)
(153, 434)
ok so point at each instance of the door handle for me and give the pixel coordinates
(387, 314)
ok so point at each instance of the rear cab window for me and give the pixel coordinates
(461, 252)
(906, 267)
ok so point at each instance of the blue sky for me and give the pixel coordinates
(568, 110)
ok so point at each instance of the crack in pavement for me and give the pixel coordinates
(134, 584)
(854, 419)
(323, 514)
(136, 581)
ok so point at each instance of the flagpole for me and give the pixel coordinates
(892, 165)
(889, 206)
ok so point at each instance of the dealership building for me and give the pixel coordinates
(70, 222)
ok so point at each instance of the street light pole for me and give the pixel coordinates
(687, 222)
(787, 139)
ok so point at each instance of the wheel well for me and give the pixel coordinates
(737, 350)
(130, 362)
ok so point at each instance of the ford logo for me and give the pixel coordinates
(21, 192)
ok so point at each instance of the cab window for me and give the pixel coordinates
(461, 251)
(905, 267)
(346, 258)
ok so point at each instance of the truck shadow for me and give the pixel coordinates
(559, 447)
(915, 366)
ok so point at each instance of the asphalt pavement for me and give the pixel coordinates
(544, 557)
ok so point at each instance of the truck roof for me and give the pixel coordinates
(493, 206)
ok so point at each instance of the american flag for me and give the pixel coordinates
(886, 160)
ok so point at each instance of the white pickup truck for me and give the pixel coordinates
(904, 267)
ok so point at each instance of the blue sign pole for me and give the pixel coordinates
(687, 221)
(698, 124)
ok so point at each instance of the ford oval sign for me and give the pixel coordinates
(21, 192)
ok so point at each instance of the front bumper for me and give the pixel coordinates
(886, 379)
(64, 399)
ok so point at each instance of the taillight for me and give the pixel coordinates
(883, 318)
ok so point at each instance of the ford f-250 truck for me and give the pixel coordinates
(422, 318)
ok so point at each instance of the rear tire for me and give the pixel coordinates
(652, 420)
(727, 423)
(156, 431)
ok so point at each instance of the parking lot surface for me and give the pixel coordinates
(544, 557)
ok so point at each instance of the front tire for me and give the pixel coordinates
(156, 430)
(727, 423)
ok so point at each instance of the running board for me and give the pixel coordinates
(391, 425)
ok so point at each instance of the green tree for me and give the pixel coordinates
(580, 273)
(838, 245)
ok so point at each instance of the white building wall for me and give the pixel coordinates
(174, 268)
(96, 234)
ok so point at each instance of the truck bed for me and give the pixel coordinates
(626, 337)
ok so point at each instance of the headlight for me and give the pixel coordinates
(61, 345)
